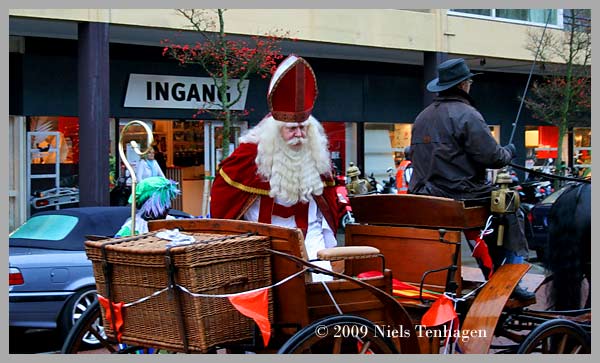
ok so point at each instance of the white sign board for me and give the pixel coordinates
(156, 91)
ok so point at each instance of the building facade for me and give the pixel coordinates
(78, 76)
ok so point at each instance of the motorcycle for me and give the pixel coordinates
(388, 186)
(533, 192)
(345, 207)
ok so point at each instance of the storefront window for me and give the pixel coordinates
(582, 147)
(541, 143)
(46, 130)
(52, 139)
(384, 147)
(188, 143)
(342, 144)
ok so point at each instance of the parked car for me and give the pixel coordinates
(537, 216)
(51, 281)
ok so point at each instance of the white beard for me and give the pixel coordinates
(294, 175)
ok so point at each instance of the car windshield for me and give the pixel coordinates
(47, 227)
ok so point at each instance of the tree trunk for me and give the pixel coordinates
(223, 89)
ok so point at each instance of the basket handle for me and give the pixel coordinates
(237, 280)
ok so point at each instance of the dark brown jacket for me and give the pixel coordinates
(451, 148)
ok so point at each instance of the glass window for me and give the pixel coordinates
(46, 227)
(188, 143)
(582, 147)
(384, 147)
(53, 155)
(541, 145)
(581, 18)
(495, 130)
(529, 15)
(486, 12)
(533, 16)
(342, 144)
(45, 129)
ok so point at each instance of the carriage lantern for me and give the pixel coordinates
(504, 200)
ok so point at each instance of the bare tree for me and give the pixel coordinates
(226, 61)
(563, 97)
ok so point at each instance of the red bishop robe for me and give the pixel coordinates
(237, 185)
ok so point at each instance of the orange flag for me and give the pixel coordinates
(399, 288)
(440, 312)
(118, 309)
(255, 305)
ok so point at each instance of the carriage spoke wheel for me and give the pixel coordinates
(89, 328)
(557, 336)
(339, 334)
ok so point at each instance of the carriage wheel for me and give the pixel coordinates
(87, 336)
(339, 334)
(557, 336)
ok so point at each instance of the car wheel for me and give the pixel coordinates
(75, 307)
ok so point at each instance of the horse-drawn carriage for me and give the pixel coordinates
(240, 281)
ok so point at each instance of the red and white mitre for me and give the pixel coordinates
(292, 91)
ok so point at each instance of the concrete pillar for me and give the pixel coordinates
(430, 63)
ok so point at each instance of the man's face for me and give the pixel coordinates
(294, 136)
(466, 85)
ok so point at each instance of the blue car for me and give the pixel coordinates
(51, 281)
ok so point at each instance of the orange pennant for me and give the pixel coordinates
(118, 309)
(399, 288)
(481, 252)
(255, 305)
(360, 345)
(440, 312)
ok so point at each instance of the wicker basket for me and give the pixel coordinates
(215, 264)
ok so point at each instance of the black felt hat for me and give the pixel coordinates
(450, 73)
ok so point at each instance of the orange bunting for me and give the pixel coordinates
(360, 345)
(118, 309)
(255, 305)
(399, 288)
(440, 312)
(481, 252)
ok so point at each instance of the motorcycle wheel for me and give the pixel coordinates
(347, 218)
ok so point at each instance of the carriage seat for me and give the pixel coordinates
(417, 234)
(420, 211)
(347, 253)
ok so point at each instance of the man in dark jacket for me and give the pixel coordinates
(452, 147)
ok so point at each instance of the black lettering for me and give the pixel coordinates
(148, 91)
(228, 95)
(193, 93)
(208, 92)
(162, 91)
(178, 95)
